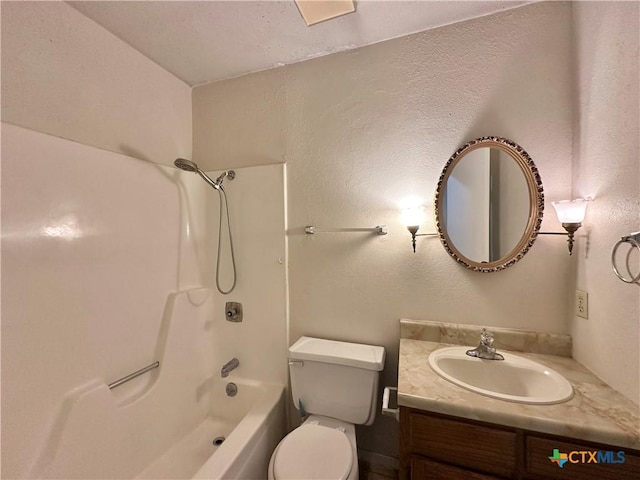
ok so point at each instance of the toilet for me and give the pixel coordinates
(335, 385)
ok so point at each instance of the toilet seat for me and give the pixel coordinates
(313, 452)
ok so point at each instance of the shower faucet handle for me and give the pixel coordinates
(233, 311)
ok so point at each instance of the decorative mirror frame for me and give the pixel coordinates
(536, 203)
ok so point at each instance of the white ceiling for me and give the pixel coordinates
(204, 41)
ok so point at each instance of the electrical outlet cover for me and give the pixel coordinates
(582, 304)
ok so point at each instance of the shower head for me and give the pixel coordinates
(189, 166)
(186, 165)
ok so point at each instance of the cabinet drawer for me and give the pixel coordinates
(578, 466)
(425, 469)
(490, 450)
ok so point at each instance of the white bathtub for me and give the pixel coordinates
(252, 422)
(162, 424)
(159, 437)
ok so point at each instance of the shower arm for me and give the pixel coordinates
(207, 179)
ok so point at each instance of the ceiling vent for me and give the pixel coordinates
(316, 11)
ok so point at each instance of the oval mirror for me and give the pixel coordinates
(489, 204)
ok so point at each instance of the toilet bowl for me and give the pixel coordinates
(335, 386)
(321, 448)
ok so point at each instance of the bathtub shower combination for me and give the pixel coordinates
(181, 420)
(107, 267)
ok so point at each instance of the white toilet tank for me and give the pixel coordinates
(336, 379)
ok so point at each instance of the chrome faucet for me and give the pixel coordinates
(485, 350)
(230, 365)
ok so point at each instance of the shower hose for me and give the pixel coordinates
(223, 195)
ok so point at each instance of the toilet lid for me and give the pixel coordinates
(313, 452)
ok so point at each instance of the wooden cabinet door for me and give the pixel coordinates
(425, 469)
(468, 445)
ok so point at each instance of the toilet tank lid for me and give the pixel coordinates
(369, 357)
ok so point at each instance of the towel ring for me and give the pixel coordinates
(632, 239)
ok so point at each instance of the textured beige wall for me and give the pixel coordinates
(64, 75)
(607, 167)
(361, 130)
(241, 122)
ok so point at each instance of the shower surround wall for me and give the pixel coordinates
(257, 212)
(90, 243)
(361, 130)
(92, 268)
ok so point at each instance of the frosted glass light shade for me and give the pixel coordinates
(413, 216)
(571, 211)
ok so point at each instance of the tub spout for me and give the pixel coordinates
(230, 365)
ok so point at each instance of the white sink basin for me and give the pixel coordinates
(514, 379)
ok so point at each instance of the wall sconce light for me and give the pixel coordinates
(571, 214)
(413, 217)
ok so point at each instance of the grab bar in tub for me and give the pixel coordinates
(133, 375)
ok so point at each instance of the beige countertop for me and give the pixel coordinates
(596, 412)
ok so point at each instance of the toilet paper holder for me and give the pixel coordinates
(386, 395)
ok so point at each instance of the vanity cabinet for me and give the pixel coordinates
(441, 447)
